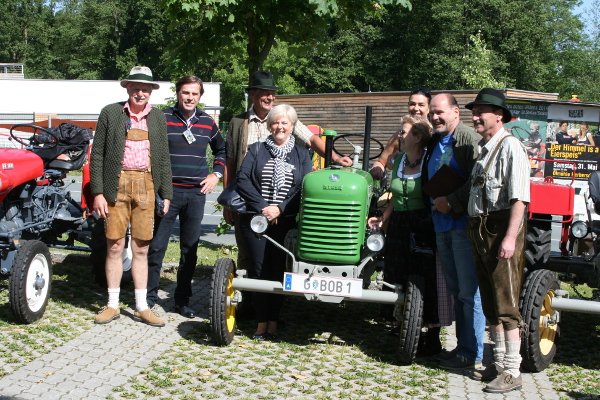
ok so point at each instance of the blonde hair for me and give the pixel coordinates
(421, 128)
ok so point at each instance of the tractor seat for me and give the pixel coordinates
(69, 165)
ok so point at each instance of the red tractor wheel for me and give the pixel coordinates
(30, 281)
(538, 241)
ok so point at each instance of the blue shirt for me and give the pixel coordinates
(443, 153)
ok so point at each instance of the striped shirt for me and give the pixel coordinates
(189, 163)
(266, 184)
(137, 152)
(506, 179)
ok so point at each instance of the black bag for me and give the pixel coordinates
(231, 199)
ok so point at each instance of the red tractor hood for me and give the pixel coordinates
(16, 167)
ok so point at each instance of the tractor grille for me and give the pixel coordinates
(331, 231)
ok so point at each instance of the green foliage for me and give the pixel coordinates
(312, 46)
(478, 65)
(259, 24)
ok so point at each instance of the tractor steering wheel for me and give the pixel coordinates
(346, 148)
(41, 138)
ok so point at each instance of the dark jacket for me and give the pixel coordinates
(109, 146)
(249, 176)
(237, 142)
(466, 151)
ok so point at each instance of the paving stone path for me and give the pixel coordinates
(105, 357)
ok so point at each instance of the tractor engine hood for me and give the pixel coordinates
(16, 167)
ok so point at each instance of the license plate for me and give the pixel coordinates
(322, 285)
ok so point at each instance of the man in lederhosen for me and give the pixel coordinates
(130, 163)
(497, 210)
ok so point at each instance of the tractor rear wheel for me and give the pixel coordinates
(98, 255)
(222, 306)
(538, 345)
(411, 319)
(537, 243)
(30, 281)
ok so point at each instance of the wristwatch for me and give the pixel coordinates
(218, 174)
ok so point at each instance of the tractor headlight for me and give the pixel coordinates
(375, 241)
(579, 229)
(259, 224)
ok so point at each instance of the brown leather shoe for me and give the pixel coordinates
(504, 383)
(148, 317)
(486, 374)
(107, 314)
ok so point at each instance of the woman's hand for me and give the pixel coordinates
(375, 222)
(271, 212)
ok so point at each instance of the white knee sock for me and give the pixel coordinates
(512, 360)
(140, 299)
(499, 350)
(113, 297)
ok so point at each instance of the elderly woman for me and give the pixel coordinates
(409, 225)
(270, 180)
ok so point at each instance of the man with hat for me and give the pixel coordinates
(250, 127)
(130, 163)
(497, 214)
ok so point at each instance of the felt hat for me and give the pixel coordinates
(494, 98)
(140, 74)
(261, 80)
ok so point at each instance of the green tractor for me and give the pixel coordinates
(331, 254)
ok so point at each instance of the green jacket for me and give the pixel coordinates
(466, 151)
(109, 145)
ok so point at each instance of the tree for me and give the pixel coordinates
(262, 23)
(478, 65)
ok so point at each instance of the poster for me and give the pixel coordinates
(537, 125)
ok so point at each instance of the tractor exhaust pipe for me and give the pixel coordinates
(367, 138)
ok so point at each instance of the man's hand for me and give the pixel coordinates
(441, 204)
(166, 204)
(507, 247)
(100, 206)
(209, 183)
(344, 161)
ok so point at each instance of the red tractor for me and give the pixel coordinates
(542, 300)
(37, 211)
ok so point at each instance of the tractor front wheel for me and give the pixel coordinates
(411, 319)
(222, 304)
(538, 345)
(30, 281)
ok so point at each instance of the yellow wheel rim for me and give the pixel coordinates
(547, 331)
(230, 308)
